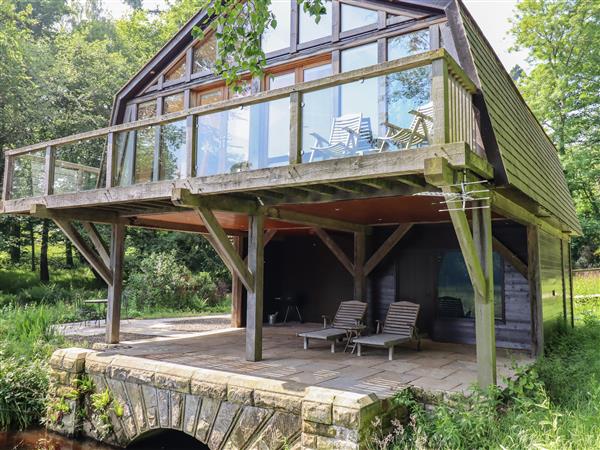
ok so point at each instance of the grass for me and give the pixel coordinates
(555, 404)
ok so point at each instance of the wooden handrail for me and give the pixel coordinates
(406, 63)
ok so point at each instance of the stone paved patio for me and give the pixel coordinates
(437, 367)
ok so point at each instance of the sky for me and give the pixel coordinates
(491, 15)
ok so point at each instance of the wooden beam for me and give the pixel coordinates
(237, 320)
(360, 279)
(387, 246)
(98, 242)
(115, 288)
(510, 256)
(254, 313)
(335, 249)
(310, 220)
(92, 258)
(485, 337)
(184, 198)
(535, 290)
(84, 215)
(225, 248)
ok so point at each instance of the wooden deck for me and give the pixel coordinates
(438, 367)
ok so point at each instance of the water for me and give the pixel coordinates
(40, 439)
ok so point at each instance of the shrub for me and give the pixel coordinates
(161, 281)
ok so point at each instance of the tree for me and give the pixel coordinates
(239, 27)
(563, 39)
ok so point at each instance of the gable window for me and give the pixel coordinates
(146, 110)
(177, 72)
(408, 44)
(173, 103)
(354, 17)
(205, 55)
(455, 291)
(309, 30)
(279, 38)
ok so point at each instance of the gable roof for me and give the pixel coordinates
(530, 160)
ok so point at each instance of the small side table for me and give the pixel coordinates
(352, 333)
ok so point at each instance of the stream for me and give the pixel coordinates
(40, 439)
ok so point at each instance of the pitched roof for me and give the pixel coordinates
(530, 160)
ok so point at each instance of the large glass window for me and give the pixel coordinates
(318, 121)
(359, 57)
(408, 44)
(173, 161)
(205, 55)
(309, 30)
(455, 291)
(354, 17)
(279, 37)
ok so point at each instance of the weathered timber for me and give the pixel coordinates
(311, 220)
(90, 256)
(115, 287)
(224, 247)
(535, 289)
(335, 249)
(237, 319)
(86, 215)
(510, 256)
(99, 244)
(386, 247)
(360, 278)
(254, 314)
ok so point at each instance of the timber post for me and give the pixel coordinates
(254, 313)
(115, 288)
(476, 248)
(535, 290)
(237, 289)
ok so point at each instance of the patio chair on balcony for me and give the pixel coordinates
(343, 140)
(349, 317)
(419, 131)
(400, 326)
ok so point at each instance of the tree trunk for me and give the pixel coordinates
(15, 243)
(32, 244)
(69, 254)
(44, 272)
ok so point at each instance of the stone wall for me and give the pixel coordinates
(116, 399)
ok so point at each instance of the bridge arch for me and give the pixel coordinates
(165, 438)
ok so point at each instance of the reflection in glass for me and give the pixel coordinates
(205, 55)
(243, 138)
(28, 175)
(146, 110)
(144, 155)
(281, 81)
(354, 17)
(309, 29)
(173, 103)
(125, 143)
(359, 57)
(278, 38)
(176, 72)
(208, 98)
(173, 161)
(78, 167)
(408, 44)
(455, 291)
(315, 73)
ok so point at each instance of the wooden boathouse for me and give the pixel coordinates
(339, 175)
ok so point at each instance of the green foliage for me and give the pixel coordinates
(161, 280)
(23, 386)
(239, 27)
(563, 40)
(553, 405)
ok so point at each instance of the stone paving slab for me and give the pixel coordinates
(437, 367)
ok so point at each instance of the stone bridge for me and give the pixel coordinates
(116, 399)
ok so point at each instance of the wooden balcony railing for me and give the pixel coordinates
(418, 100)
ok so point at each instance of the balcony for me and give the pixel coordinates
(377, 122)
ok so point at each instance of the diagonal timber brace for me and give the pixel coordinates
(336, 250)
(386, 247)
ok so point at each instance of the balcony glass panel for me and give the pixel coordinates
(173, 161)
(242, 139)
(377, 114)
(80, 166)
(28, 175)
(144, 155)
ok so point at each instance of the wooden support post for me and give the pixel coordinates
(111, 160)
(49, 171)
(295, 128)
(535, 290)
(360, 288)
(237, 289)
(439, 95)
(254, 314)
(115, 288)
(485, 336)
